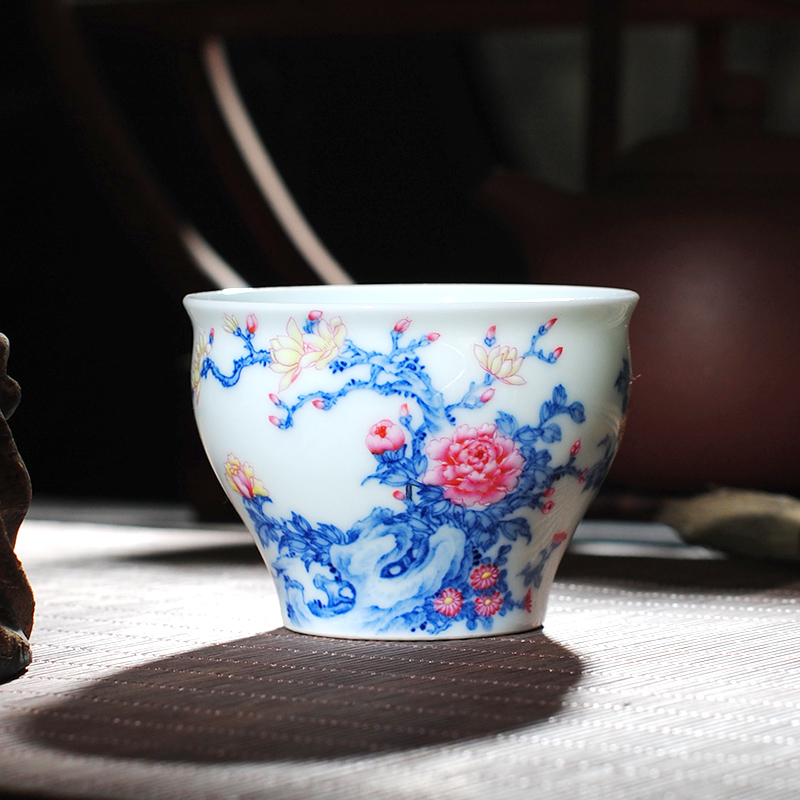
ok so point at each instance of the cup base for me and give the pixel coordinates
(418, 636)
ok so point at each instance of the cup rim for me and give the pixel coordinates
(416, 295)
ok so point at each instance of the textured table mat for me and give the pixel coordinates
(161, 670)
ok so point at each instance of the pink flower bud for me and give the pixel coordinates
(576, 448)
(432, 337)
(318, 403)
(557, 352)
(211, 336)
(252, 323)
(549, 492)
(275, 421)
(548, 507)
(398, 495)
(404, 410)
(314, 315)
(582, 477)
(492, 332)
(275, 399)
(559, 537)
(402, 325)
(385, 436)
(549, 324)
(487, 395)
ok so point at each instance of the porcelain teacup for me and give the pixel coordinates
(412, 460)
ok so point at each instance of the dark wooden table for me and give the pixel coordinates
(161, 670)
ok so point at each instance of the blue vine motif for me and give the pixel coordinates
(467, 494)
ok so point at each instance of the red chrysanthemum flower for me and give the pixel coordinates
(484, 577)
(448, 602)
(486, 605)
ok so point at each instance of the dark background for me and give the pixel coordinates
(99, 340)
(383, 140)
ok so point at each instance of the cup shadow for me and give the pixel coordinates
(286, 696)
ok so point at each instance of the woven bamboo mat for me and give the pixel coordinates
(161, 670)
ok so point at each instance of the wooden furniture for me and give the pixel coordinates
(195, 32)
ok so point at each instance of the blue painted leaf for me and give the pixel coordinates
(577, 412)
(507, 424)
(551, 433)
(541, 457)
(527, 434)
(559, 395)
(392, 455)
(517, 528)
(391, 477)
(501, 557)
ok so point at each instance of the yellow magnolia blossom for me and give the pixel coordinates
(201, 351)
(293, 353)
(502, 362)
(287, 352)
(324, 345)
(241, 478)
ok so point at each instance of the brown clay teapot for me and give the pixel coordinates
(706, 227)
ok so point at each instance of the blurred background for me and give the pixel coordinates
(430, 141)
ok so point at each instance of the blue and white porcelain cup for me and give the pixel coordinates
(412, 460)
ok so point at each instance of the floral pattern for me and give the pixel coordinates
(487, 605)
(476, 466)
(463, 497)
(503, 363)
(241, 478)
(385, 436)
(299, 350)
(484, 576)
(448, 602)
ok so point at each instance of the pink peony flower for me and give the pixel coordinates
(385, 436)
(484, 577)
(448, 602)
(476, 467)
(486, 605)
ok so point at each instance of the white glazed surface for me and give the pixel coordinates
(416, 468)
